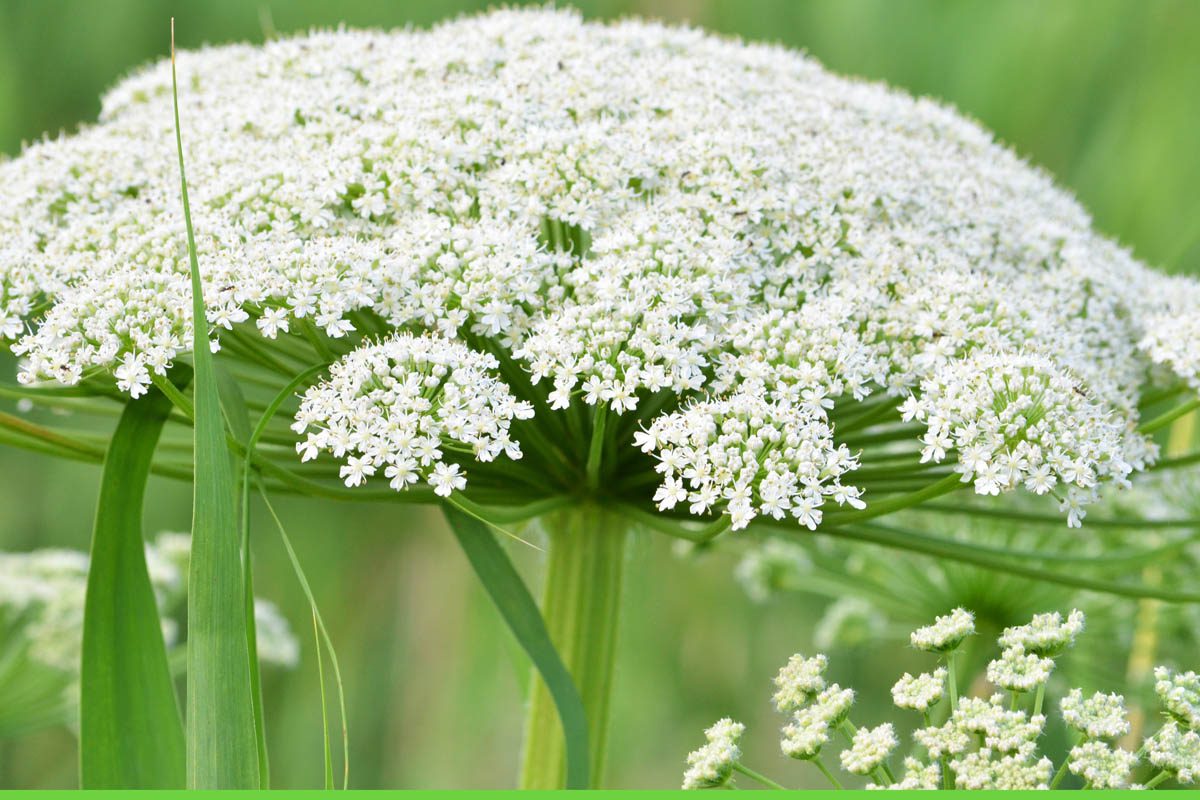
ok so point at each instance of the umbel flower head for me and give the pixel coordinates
(520, 233)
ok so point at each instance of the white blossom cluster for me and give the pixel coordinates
(712, 765)
(1018, 671)
(1102, 765)
(1179, 693)
(1046, 635)
(869, 748)
(624, 211)
(42, 596)
(920, 693)
(946, 633)
(988, 742)
(400, 403)
(1176, 750)
(1018, 420)
(1101, 716)
(751, 455)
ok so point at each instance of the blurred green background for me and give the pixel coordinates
(1102, 93)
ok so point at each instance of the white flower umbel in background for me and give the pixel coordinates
(41, 628)
(980, 742)
(628, 273)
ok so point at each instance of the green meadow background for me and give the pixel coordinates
(1105, 94)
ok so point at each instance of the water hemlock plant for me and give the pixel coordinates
(602, 278)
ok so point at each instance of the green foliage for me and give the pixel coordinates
(516, 605)
(222, 738)
(131, 736)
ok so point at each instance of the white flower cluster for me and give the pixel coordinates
(799, 681)
(399, 404)
(1018, 671)
(1020, 420)
(1101, 716)
(946, 633)
(920, 693)
(925, 777)
(1179, 693)
(988, 742)
(813, 724)
(712, 765)
(42, 597)
(1102, 765)
(624, 211)
(774, 565)
(752, 455)
(869, 748)
(1047, 635)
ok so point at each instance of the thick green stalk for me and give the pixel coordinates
(581, 604)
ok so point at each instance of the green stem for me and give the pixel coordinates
(596, 449)
(581, 605)
(1062, 773)
(1155, 781)
(952, 681)
(756, 776)
(1039, 699)
(819, 764)
(1163, 420)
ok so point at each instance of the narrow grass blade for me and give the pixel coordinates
(222, 743)
(333, 659)
(233, 409)
(520, 611)
(130, 732)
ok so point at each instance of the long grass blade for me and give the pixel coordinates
(333, 659)
(131, 736)
(520, 612)
(222, 743)
(233, 409)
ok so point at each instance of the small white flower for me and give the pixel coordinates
(1101, 716)
(1176, 751)
(1179, 693)
(1046, 635)
(132, 376)
(799, 681)
(446, 479)
(712, 765)
(1018, 671)
(803, 737)
(947, 632)
(920, 693)
(916, 776)
(1101, 765)
(870, 748)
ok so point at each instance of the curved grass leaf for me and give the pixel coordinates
(323, 636)
(233, 408)
(222, 742)
(520, 611)
(130, 733)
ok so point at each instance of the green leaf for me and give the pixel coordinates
(222, 743)
(520, 611)
(233, 408)
(130, 733)
(323, 632)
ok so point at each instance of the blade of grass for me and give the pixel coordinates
(240, 425)
(233, 408)
(130, 732)
(333, 659)
(504, 585)
(324, 707)
(222, 743)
